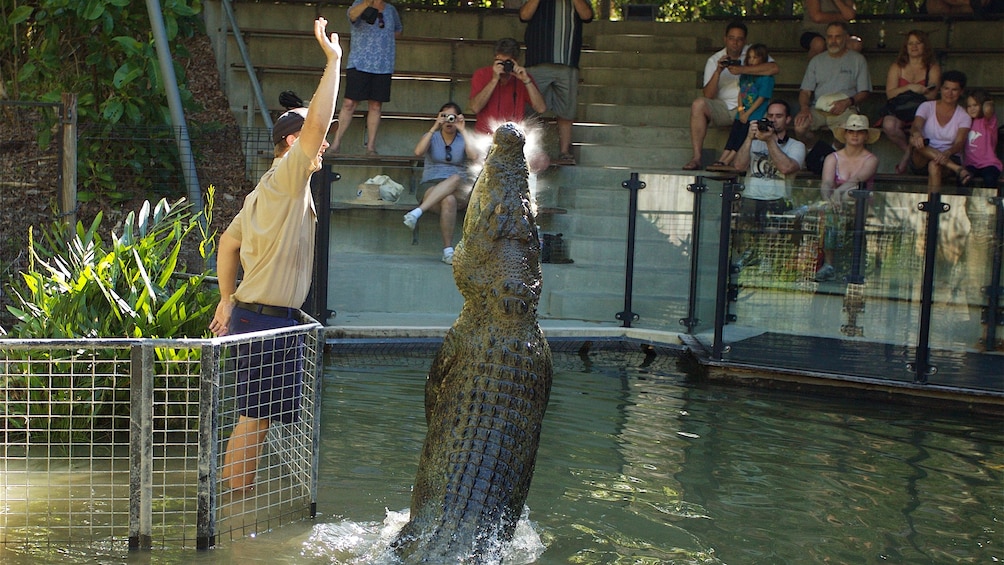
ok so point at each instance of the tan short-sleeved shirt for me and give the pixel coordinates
(276, 229)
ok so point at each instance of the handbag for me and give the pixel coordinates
(904, 106)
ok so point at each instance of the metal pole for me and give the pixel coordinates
(174, 103)
(633, 185)
(316, 303)
(860, 196)
(994, 315)
(729, 195)
(141, 447)
(252, 77)
(922, 367)
(698, 188)
(209, 392)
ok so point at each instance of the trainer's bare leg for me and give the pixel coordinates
(240, 461)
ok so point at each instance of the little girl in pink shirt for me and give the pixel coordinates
(980, 152)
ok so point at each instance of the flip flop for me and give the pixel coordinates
(692, 165)
(965, 177)
(720, 167)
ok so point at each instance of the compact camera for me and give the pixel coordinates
(508, 65)
(451, 118)
(764, 124)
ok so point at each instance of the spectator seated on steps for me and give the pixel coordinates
(939, 133)
(720, 95)
(913, 78)
(445, 186)
(834, 84)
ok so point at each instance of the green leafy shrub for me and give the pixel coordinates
(79, 286)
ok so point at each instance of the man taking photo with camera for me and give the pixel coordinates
(771, 159)
(501, 92)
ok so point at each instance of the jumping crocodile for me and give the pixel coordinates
(489, 384)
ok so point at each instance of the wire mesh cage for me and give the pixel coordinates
(112, 442)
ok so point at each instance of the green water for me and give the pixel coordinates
(639, 465)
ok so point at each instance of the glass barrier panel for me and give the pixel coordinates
(962, 276)
(812, 294)
(662, 252)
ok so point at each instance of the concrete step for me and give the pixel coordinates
(640, 60)
(636, 77)
(638, 158)
(644, 43)
(631, 136)
(402, 280)
(679, 95)
(421, 97)
(634, 115)
(600, 306)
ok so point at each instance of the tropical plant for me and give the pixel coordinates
(78, 286)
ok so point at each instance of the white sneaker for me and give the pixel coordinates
(410, 219)
(448, 256)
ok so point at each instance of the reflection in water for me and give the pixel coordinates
(638, 464)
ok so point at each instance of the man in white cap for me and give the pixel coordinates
(272, 238)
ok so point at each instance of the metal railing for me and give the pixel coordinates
(914, 299)
(120, 441)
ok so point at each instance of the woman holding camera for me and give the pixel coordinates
(445, 187)
(501, 92)
(375, 27)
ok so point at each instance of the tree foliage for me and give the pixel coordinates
(102, 51)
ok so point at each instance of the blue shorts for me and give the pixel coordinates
(269, 371)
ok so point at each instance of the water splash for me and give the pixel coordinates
(367, 543)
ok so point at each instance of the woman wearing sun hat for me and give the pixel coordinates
(843, 171)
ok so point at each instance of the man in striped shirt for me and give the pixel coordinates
(553, 41)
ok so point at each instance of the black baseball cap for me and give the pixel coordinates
(288, 123)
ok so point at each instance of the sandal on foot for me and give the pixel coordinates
(965, 177)
(692, 165)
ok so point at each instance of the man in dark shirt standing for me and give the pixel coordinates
(553, 42)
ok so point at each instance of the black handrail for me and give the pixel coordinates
(730, 193)
(993, 311)
(921, 366)
(698, 188)
(633, 185)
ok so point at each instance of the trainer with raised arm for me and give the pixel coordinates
(272, 239)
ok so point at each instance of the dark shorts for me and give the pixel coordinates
(269, 371)
(737, 135)
(753, 213)
(361, 85)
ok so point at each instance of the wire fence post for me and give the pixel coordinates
(141, 447)
(68, 174)
(209, 398)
